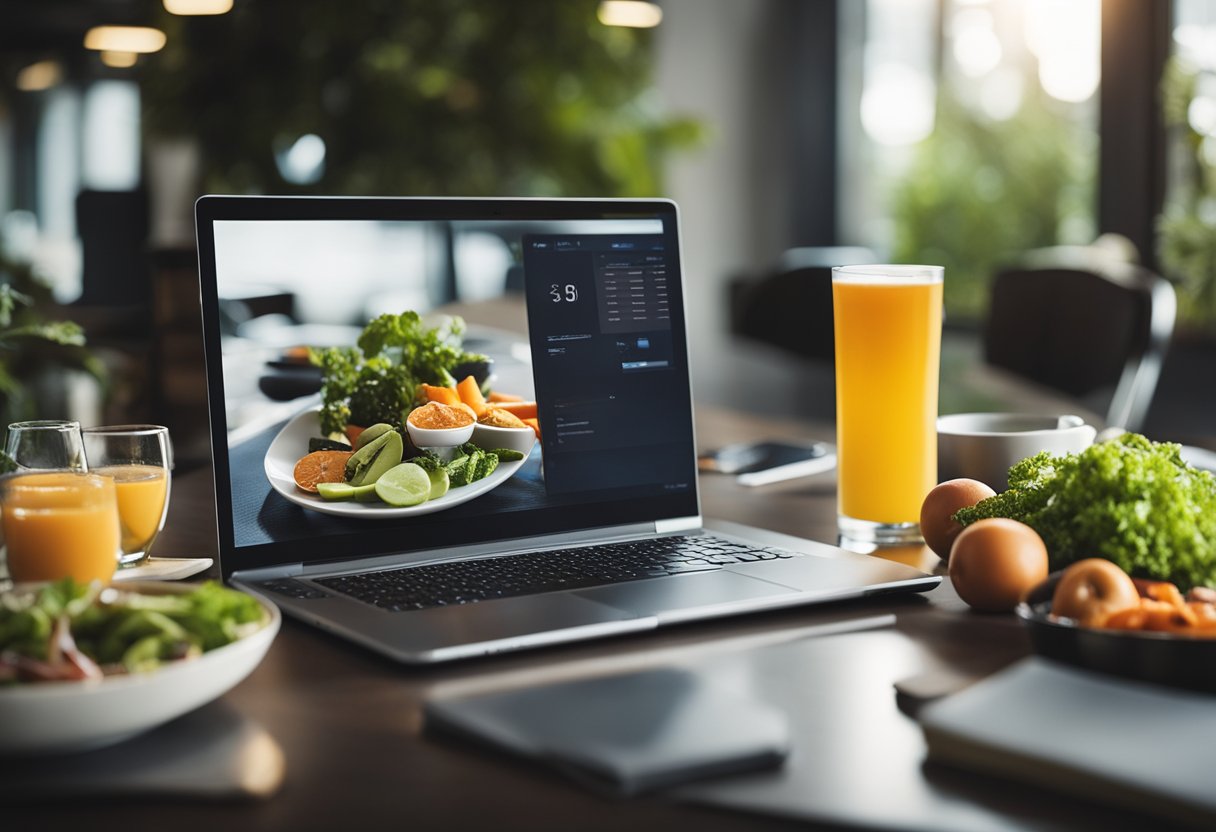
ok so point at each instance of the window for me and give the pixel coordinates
(975, 133)
(1187, 231)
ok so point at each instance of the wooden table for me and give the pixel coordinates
(349, 721)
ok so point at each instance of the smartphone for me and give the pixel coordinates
(759, 463)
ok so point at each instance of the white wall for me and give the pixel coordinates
(714, 63)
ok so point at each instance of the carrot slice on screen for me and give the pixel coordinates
(320, 466)
(499, 398)
(524, 410)
(443, 395)
(470, 394)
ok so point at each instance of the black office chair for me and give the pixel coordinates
(1087, 325)
(791, 306)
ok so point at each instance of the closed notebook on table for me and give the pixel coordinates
(1122, 743)
(625, 734)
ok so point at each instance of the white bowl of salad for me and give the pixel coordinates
(85, 667)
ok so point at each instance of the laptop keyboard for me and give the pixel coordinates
(464, 582)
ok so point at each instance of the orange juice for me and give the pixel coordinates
(888, 343)
(59, 525)
(143, 492)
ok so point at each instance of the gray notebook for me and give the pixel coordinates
(626, 734)
(1121, 743)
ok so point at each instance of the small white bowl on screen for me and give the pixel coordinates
(492, 438)
(439, 437)
(435, 425)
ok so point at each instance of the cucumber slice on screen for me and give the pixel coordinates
(404, 485)
(485, 466)
(507, 454)
(439, 483)
(470, 470)
(455, 470)
(463, 474)
(336, 490)
(366, 493)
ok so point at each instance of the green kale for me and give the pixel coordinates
(1130, 500)
(377, 381)
(428, 461)
(385, 393)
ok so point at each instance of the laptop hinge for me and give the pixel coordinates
(677, 524)
(269, 573)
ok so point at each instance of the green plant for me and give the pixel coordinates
(979, 192)
(30, 345)
(1186, 230)
(479, 97)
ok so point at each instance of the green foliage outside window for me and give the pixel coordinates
(474, 97)
(980, 192)
(1186, 232)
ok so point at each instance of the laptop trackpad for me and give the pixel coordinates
(702, 591)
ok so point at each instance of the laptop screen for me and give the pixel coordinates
(573, 357)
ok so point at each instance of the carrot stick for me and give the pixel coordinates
(470, 394)
(524, 410)
(498, 398)
(534, 424)
(443, 395)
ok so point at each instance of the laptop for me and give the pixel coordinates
(595, 531)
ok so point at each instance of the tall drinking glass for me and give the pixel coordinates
(45, 445)
(138, 458)
(888, 347)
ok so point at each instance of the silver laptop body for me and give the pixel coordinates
(606, 359)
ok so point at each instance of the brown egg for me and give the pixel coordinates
(994, 562)
(936, 525)
(1093, 589)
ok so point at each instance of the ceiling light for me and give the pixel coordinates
(198, 7)
(124, 39)
(118, 60)
(40, 76)
(638, 14)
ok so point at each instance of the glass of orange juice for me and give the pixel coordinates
(888, 346)
(60, 524)
(138, 459)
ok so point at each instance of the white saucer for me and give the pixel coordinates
(163, 569)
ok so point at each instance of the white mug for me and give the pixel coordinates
(984, 446)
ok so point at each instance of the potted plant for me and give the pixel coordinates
(34, 350)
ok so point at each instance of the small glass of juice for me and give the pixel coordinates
(60, 524)
(138, 459)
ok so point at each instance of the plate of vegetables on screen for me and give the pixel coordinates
(398, 433)
(84, 666)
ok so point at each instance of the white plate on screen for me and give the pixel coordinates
(57, 717)
(292, 443)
